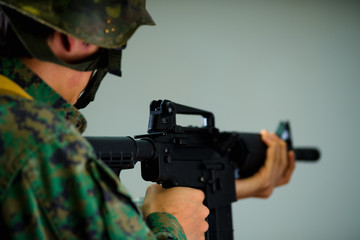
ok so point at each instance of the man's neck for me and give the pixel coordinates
(67, 82)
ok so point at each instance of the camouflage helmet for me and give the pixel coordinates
(106, 23)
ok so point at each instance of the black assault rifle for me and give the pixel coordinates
(198, 157)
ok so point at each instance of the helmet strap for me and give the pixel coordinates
(89, 93)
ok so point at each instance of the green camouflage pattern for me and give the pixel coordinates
(106, 23)
(51, 184)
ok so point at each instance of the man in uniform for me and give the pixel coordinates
(51, 184)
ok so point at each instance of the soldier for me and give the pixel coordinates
(51, 184)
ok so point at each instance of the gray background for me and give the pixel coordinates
(253, 63)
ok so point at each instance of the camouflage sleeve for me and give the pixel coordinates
(58, 190)
(77, 201)
(160, 223)
(164, 226)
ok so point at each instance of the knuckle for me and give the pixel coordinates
(279, 144)
(154, 187)
(266, 184)
(200, 194)
(283, 165)
(267, 189)
(150, 189)
(205, 226)
(282, 143)
(205, 212)
(201, 229)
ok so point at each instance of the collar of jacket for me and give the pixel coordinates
(14, 69)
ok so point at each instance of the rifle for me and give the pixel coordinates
(198, 157)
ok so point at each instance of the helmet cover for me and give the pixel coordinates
(106, 23)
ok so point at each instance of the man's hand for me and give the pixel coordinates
(186, 204)
(276, 171)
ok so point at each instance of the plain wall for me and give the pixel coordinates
(253, 63)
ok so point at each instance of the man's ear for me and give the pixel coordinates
(70, 49)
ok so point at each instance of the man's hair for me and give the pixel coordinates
(10, 44)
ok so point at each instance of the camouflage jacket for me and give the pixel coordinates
(51, 184)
